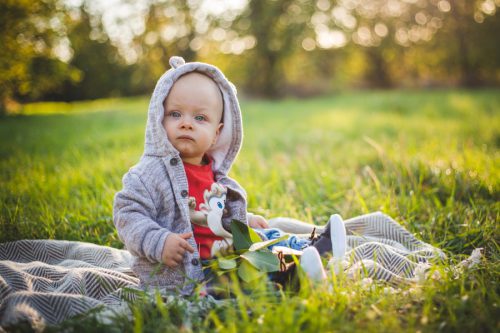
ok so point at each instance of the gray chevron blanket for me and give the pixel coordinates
(48, 281)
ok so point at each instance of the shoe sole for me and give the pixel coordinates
(338, 236)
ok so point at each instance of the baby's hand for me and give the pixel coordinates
(174, 249)
(257, 221)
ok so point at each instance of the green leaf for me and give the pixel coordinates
(254, 237)
(264, 261)
(265, 244)
(243, 236)
(226, 264)
(248, 273)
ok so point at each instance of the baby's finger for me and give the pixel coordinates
(171, 263)
(185, 245)
(178, 258)
(186, 235)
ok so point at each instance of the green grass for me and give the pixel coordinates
(429, 159)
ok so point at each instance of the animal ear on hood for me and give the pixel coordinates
(176, 61)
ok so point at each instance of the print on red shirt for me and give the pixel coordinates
(210, 198)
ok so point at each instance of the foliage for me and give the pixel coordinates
(53, 50)
(30, 31)
(468, 57)
(278, 28)
(251, 255)
(94, 60)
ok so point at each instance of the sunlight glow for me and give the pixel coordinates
(63, 50)
(444, 6)
(308, 44)
(331, 38)
(488, 7)
(381, 29)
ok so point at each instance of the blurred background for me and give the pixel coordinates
(66, 50)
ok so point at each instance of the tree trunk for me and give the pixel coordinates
(464, 11)
(378, 74)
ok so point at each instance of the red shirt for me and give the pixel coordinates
(201, 178)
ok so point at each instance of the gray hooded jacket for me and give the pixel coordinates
(154, 199)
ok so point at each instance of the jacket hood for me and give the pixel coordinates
(225, 150)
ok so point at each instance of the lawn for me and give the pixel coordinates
(429, 159)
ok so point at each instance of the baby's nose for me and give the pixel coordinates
(187, 123)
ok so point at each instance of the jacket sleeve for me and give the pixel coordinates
(133, 213)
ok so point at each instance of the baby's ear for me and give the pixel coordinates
(217, 132)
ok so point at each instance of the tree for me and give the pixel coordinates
(403, 40)
(278, 28)
(169, 29)
(470, 34)
(98, 69)
(384, 30)
(31, 30)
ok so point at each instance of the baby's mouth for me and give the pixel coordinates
(185, 137)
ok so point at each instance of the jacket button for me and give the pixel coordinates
(195, 261)
(184, 193)
(174, 161)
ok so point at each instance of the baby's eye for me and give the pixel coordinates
(200, 118)
(174, 114)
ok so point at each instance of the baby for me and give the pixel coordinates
(193, 135)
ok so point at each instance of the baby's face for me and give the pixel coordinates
(192, 119)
